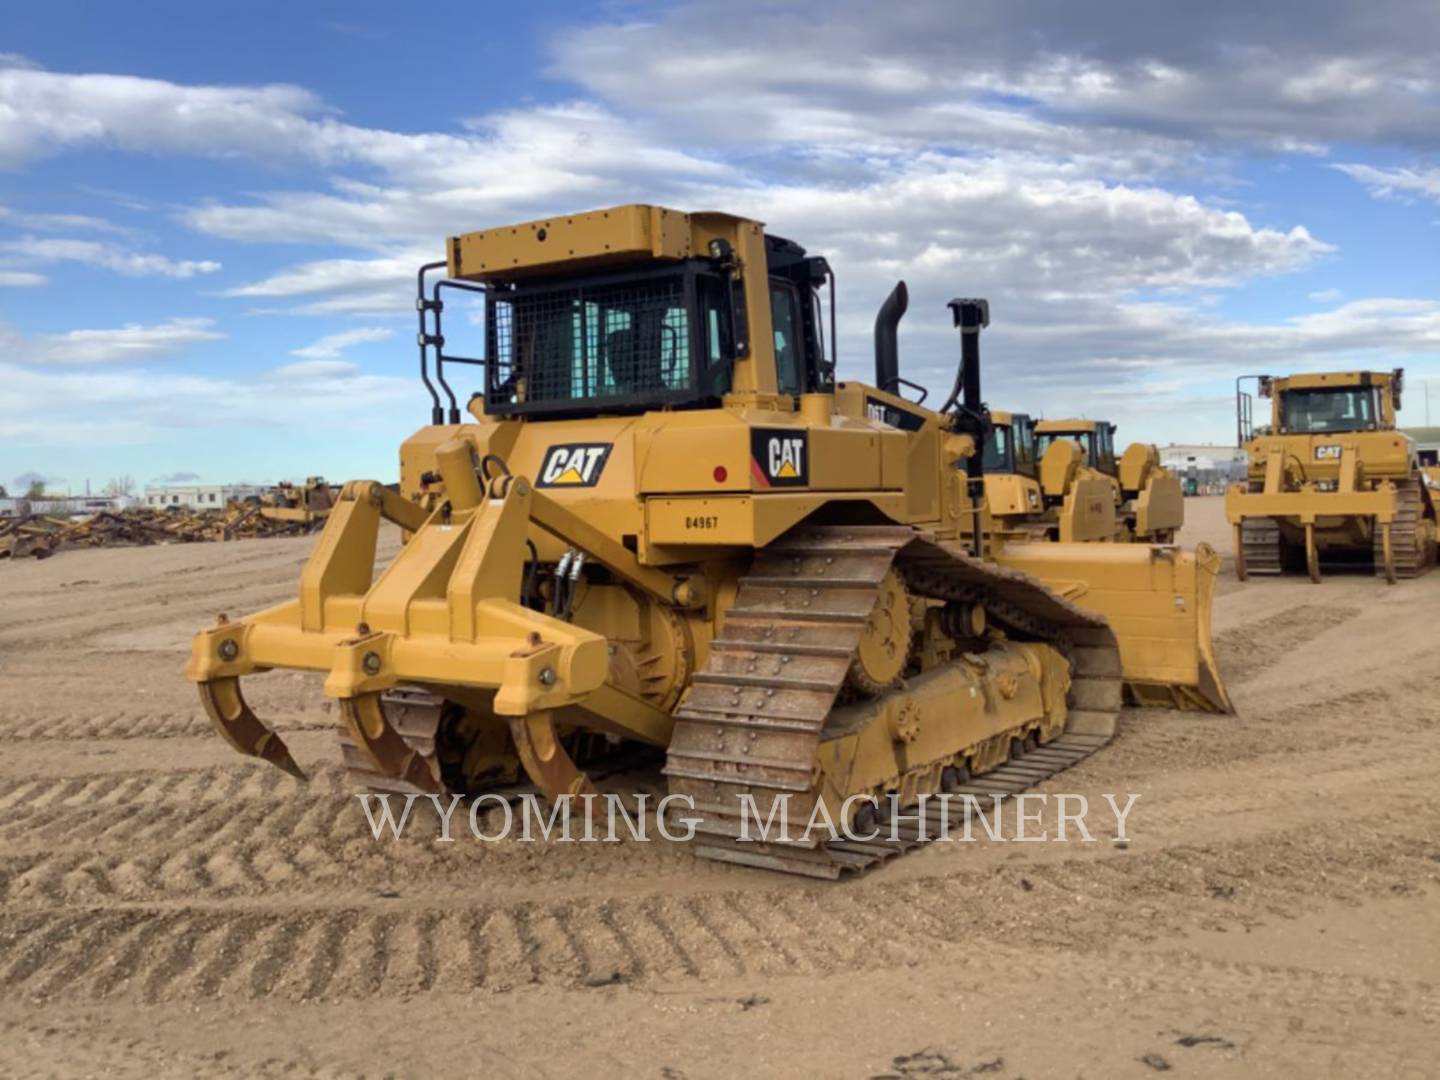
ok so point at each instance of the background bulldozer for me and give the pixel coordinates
(1060, 480)
(306, 505)
(1330, 479)
(665, 523)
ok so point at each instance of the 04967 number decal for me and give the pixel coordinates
(710, 522)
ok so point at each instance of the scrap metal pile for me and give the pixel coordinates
(278, 514)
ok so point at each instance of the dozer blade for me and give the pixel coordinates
(241, 728)
(1157, 599)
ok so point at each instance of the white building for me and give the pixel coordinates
(1212, 468)
(67, 505)
(199, 496)
(1204, 456)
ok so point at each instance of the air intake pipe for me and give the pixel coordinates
(972, 418)
(887, 348)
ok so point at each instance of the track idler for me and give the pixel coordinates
(241, 728)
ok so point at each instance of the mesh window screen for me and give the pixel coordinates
(587, 343)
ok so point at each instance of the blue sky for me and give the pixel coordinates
(210, 214)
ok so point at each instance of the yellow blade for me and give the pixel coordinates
(1157, 599)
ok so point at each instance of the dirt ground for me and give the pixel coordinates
(170, 909)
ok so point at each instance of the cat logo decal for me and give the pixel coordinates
(780, 457)
(573, 465)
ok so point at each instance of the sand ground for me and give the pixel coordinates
(169, 909)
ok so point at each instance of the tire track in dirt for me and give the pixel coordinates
(108, 726)
(1246, 651)
(233, 833)
(1359, 724)
(377, 949)
(146, 725)
(49, 1046)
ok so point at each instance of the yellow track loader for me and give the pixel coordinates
(665, 522)
(1330, 479)
(1059, 480)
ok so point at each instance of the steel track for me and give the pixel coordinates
(755, 716)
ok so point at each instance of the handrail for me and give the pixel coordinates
(1244, 412)
(424, 340)
(437, 306)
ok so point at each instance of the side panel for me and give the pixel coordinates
(742, 520)
(1012, 495)
(1160, 506)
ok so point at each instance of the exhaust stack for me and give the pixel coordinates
(971, 316)
(887, 348)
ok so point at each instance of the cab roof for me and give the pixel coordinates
(1332, 380)
(617, 236)
(1065, 427)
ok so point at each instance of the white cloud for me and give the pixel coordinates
(1290, 76)
(1396, 183)
(331, 346)
(1030, 222)
(21, 279)
(309, 370)
(1039, 154)
(106, 256)
(45, 113)
(136, 407)
(59, 222)
(497, 160)
(1326, 296)
(384, 285)
(507, 166)
(121, 345)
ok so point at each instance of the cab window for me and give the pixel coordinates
(784, 317)
(1080, 438)
(1310, 412)
(1024, 439)
(997, 450)
(719, 340)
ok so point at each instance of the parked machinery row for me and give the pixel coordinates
(1062, 480)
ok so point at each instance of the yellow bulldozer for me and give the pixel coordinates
(665, 522)
(1329, 479)
(1060, 480)
(1055, 497)
(304, 505)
